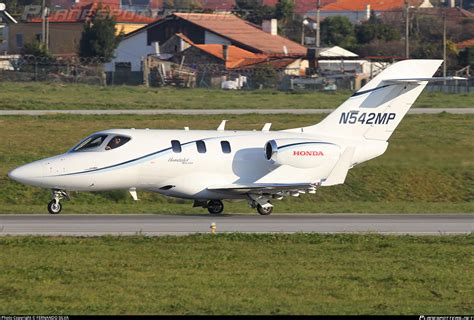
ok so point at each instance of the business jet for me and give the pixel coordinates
(208, 166)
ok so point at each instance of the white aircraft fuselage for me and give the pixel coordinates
(259, 166)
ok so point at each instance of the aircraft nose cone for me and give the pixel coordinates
(26, 173)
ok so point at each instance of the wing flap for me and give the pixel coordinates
(261, 187)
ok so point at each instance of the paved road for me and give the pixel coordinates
(94, 225)
(214, 111)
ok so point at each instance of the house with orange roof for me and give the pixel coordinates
(222, 38)
(65, 26)
(358, 11)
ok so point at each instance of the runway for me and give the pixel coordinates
(211, 111)
(156, 225)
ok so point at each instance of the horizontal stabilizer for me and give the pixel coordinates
(339, 172)
(432, 79)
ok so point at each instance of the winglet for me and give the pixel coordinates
(222, 126)
(339, 172)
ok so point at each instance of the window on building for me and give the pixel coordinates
(201, 146)
(38, 37)
(225, 145)
(176, 146)
(19, 40)
(123, 66)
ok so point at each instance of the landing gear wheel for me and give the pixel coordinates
(54, 207)
(215, 206)
(264, 211)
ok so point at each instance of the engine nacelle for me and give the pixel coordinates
(301, 153)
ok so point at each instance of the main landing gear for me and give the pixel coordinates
(262, 204)
(264, 211)
(54, 206)
(215, 206)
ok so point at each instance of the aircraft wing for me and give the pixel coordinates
(263, 187)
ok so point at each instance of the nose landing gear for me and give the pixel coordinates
(54, 206)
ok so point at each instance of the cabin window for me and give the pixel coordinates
(201, 146)
(176, 146)
(116, 142)
(225, 145)
(91, 142)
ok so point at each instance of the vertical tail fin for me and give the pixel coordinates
(376, 109)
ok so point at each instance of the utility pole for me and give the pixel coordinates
(43, 23)
(302, 32)
(318, 9)
(407, 30)
(444, 46)
(46, 40)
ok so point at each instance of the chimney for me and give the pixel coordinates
(270, 26)
(225, 49)
(367, 12)
(156, 47)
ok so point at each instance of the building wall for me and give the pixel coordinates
(211, 38)
(131, 50)
(127, 27)
(165, 30)
(63, 37)
(173, 45)
(195, 56)
(3, 39)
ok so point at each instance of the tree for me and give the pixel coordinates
(284, 10)
(36, 49)
(375, 29)
(466, 57)
(264, 76)
(253, 11)
(338, 31)
(99, 38)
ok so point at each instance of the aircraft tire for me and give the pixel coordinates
(215, 206)
(264, 211)
(53, 207)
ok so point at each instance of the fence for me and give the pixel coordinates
(163, 73)
(64, 70)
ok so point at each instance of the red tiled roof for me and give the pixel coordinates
(277, 63)
(377, 5)
(81, 12)
(240, 31)
(235, 55)
(238, 58)
(182, 36)
(465, 44)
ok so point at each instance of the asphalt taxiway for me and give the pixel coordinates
(155, 225)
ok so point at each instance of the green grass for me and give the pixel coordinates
(428, 167)
(238, 274)
(37, 95)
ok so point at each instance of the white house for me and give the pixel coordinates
(131, 50)
(5, 20)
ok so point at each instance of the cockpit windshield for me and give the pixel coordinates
(116, 142)
(91, 142)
